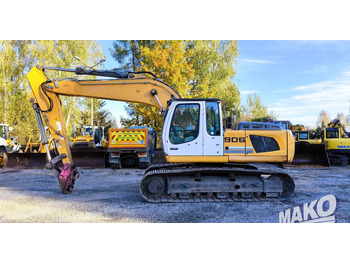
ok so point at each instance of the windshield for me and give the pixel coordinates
(88, 131)
(3, 132)
(303, 136)
(332, 133)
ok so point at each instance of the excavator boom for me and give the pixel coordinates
(128, 87)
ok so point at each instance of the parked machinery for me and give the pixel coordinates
(4, 144)
(30, 155)
(89, 147)
(336, 143)
(309, 150)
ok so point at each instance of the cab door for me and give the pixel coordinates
(212, 129)
(182, 130)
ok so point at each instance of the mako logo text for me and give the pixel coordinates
(318, 211)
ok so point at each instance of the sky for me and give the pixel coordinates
(296, 79)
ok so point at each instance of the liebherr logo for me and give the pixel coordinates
(318, 211)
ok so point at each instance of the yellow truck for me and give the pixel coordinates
(131, 146)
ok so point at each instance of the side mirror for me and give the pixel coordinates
(10, 129)
(229, 122)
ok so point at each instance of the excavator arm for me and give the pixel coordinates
(127, 87)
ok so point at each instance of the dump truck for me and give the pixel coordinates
(131, 146)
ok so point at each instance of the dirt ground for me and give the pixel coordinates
(106, 195)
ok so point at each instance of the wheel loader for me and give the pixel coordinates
(309, 151)
(207, 161)
(330, 147)
(30, 155)
(89, 148)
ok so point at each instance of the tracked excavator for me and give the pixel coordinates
(206, 162)
(336, 142)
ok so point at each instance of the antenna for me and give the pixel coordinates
(92, 67)
(101, 61)
(78, 58)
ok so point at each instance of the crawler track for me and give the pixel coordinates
(190, 183)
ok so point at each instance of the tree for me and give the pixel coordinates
(168, 60)
(343, 119)
(127, 53)
(213, 64)
(254, 108)
(17, 58)
(323, 119)
(194, 68)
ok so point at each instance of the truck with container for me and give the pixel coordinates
(133, 146)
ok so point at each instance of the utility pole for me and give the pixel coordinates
(92, 112)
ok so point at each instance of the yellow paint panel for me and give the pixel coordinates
(257, 159)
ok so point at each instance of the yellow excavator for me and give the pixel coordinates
(206, 161)
(336, 142)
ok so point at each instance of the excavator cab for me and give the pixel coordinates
(193, 127)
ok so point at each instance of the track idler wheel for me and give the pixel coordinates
(66, 179)
(154, 186)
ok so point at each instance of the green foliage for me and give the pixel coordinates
(127, 53)
(255, 109)
(17, 58)
(213, 64)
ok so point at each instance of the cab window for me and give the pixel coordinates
(264, 144)
(185, 124)
(332, 134)
(303, 136)
(213, 118)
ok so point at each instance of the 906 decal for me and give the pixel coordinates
(234, 139)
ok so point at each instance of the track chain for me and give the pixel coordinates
(175, 169)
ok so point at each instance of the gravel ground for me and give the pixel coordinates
(105, 195)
